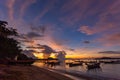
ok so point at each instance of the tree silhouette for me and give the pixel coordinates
(9, 47)
(23, 57)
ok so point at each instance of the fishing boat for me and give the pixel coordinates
(93, 65)
(52, 64)
(75, 64)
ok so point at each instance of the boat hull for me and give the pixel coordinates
(75, 64)
(93, 66)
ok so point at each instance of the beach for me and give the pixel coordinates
(20, 72)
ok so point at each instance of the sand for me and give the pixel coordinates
(20, 72)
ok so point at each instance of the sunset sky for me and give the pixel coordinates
(82, 28)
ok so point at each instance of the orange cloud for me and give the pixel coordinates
(86, 30)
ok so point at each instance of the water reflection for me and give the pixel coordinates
(94, 70)
(105, 70)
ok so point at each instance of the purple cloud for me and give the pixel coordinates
(109, 52)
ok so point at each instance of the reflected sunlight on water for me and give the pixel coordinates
(106, 70)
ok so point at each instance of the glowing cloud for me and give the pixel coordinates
(86, 30)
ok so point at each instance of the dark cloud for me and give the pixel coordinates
(25, 40)
(110, 52)
(86, 42)
(41, 29)
(21, 36)
(38, 44)
(33, 35)
(46, 49)
(29, 37)
(29, 53)
(70, 49)
(32, 47)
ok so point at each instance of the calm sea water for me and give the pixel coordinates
(106, 70)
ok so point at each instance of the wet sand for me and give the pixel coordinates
(28, 73)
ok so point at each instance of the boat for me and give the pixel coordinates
(93, 65)
(75, 64)
(52, 63)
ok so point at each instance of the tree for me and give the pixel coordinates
(23, 57)
(9, 47)
(5, 32)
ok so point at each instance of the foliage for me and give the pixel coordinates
(23, 57)
(9, 47)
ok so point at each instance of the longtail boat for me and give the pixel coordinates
(93, 65)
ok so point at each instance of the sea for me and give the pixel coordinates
(107, 71)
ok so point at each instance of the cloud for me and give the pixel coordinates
(49, 36)
(33, 35)
(101, 16)
(10, 6)
(78, 10)
(86, 42)
(70, 10)
(110, 52)
(25, 40)
(32, 47)
(46, 50)
(40, 29)
(25, 5)
(29, 53)
(110, 40)
(45, 36)
(70, 49)
(107, 20)
(36, 32)
(30, 35)
(100, 27)
(29, 38)
(106, 25)
(86, 30)
(46, 9)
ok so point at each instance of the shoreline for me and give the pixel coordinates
(78, 75)
(19, 72)
(85, 76)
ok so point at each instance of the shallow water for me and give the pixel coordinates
(106, 70)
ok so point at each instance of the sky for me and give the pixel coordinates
(82, 28)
